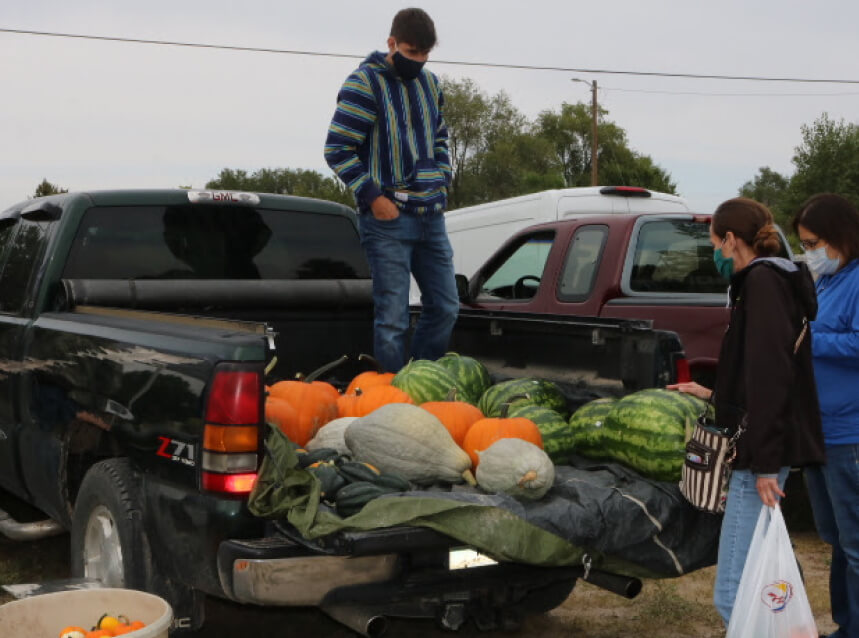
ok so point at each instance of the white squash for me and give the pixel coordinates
(515, 467)
(331, 435)
(407, 440)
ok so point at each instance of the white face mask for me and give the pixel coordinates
(819, 263)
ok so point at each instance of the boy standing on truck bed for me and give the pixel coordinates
(388, 142)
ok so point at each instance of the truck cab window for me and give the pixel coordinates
(580, 266)
(674, 256)
(213, 242)
(21, 248)
(517, 275)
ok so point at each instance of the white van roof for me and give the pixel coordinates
(588, 199)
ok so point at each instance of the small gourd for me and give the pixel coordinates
(403, 439)
(330, 435)
(517, 468)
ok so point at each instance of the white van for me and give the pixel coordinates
(478, 231)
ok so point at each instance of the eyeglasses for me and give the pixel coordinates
(809, 244)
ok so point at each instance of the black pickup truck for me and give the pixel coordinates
(138, 330)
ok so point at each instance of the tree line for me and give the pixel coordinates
(826, 161)
(497, 152)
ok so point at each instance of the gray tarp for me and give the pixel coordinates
(625, 523)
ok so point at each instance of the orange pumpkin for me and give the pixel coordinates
(322, 385)
(283, 415)
(365, 401)
(456, 416)
(315, 403)
(379, 395)
(370, 378)
(347, 404)
(486, 431)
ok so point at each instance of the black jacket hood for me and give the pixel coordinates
(795, 272)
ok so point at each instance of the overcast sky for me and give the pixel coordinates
(93, 114)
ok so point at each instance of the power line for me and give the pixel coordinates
(717, 94)
(491, 65)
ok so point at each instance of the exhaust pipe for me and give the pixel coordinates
(28, 531)
(626, 586)
(359, 619)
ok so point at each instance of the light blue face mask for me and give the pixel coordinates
(725, 265)
(820, 263)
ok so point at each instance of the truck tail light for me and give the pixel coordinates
(234, 409)
(681, 370)
(625, 191)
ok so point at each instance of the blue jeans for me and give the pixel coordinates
(834, 493)
(738, 526)
(414, 244)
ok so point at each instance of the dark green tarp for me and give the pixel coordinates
(625, 523)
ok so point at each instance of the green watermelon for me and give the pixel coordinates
(556, 433)
(540, 392)
(469, 373)
(646, 430)
(587, 426)
(690, 405)
(425, 380)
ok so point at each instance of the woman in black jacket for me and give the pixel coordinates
(765, 379)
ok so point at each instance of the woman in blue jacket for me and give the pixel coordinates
(828, 229)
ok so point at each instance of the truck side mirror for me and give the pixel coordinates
(462, 288)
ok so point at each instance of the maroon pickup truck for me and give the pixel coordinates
(636, 266)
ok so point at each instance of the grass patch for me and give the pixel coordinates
(666, 604)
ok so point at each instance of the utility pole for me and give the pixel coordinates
(594, 141)
(594, 172)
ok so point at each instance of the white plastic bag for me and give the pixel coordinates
(771, 600)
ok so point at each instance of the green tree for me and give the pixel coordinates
(46, 188)
(284, 181)
(493, 149)
(827, 161)
(770, 188)
(570, 132)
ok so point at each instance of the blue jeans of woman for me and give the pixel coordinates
(415, 244)
(834, 493)
(738, 526)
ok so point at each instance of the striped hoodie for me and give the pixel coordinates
(388, 137)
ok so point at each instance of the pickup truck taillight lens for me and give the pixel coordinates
(681, 370)
(234, 409)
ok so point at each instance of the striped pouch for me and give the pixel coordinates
(706, 471)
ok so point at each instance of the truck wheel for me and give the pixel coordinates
(108, 542)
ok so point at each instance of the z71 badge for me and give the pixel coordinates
(177, 451)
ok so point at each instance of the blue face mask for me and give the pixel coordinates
(725, 265)
(820, 263)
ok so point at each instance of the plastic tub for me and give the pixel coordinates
(46, 615)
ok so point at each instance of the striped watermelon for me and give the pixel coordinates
(471, 375)
(425, 380)
(691, 405)
(646, 430)
(540, 392)
(587, 426)
(556, 433)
